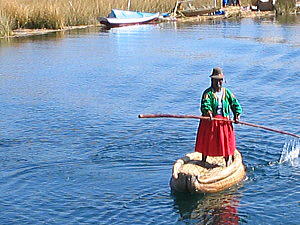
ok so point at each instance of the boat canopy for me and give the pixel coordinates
(122, 14)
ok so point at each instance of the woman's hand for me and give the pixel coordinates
(236, 118)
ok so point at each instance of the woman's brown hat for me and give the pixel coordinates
(217, 73)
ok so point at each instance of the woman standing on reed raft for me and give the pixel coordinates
(214, 137)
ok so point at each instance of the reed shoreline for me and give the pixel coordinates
(34, 32)
(36, 17)
(232, 12)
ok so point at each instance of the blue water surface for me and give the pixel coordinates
(73, 151)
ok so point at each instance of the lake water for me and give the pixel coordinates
(73, 151)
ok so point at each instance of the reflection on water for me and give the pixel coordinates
(218, 208)
(54, 36)
(288, 19)
(268, 40)
(51, 36)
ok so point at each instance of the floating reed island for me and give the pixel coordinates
(45, 15)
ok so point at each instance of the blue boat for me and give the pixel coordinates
(117, 18)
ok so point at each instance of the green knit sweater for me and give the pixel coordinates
(209, 102)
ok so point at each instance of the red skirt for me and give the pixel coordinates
(215, 138)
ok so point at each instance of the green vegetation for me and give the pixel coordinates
(285, 6)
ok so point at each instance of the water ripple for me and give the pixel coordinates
(72, 149)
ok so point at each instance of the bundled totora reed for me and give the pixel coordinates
(190, 174)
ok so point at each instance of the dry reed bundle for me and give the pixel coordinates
(5, 25)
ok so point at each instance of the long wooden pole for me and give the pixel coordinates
(207, 118)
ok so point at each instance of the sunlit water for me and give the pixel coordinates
(72, 150)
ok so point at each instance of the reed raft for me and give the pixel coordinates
(190, 174)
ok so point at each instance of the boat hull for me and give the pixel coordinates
(119, 22)
(190, 174)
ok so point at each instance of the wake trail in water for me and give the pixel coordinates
(290, 152)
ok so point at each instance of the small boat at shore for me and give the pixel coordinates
(190, 174)
(118, 18)
(184, 8)
(199, 12)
